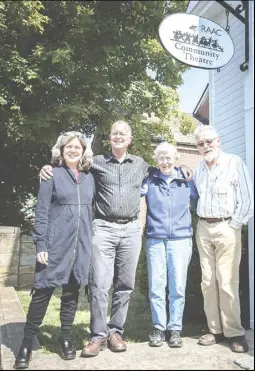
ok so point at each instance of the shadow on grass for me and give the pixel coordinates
(137, 327)
(48, 336)
(138, 323)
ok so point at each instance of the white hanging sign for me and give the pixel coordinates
(196, 41)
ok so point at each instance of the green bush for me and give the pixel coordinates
(194, 311)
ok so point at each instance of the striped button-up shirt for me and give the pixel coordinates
(118, 185)
(225, 190)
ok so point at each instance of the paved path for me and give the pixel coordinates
(139, 356)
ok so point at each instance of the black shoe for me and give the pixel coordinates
(157, 338)
(175, 340)
(23, 358)
(67, 350)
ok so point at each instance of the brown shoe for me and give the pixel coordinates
(116, 343)
(211, 339)
(93, 348)
(238, 344)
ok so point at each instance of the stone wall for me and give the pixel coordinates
(27, 262)
(9, 255)
(17, 258)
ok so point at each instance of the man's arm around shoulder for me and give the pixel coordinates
(46, 172)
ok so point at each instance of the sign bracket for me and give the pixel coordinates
(245, 20)
(227, 29)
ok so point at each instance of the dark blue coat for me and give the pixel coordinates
(63, 228)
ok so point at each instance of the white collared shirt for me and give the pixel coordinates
(225, 190)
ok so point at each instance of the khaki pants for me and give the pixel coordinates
(219, 248)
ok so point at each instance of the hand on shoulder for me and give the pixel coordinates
(188, 173)
(46, 172)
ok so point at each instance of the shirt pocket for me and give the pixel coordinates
(221, 190)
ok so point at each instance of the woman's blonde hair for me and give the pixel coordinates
(57, 150)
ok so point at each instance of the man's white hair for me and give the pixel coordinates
(165, 147)
(207, 130)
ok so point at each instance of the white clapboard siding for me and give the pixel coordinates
(235, 149)
(229, 111)
(228, 90)
(236, 142)
(234, 131)
(225, 77)
(236, 120)
(232, 99)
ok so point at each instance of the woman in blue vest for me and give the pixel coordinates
(63, 238)
(169, 243)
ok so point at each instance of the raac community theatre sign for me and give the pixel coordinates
(196, 41)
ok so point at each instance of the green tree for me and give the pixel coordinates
(187, 125)
(61, 61)
(70, 65)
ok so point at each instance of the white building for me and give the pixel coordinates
(230, 97)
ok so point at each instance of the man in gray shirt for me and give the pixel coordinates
(117, 239)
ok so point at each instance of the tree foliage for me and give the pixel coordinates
(72, 65)
(187, 125)
(63, 62)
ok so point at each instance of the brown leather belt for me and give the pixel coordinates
(214, 220)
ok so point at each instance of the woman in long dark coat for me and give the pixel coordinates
(62, 235)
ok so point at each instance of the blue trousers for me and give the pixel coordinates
(167, 264)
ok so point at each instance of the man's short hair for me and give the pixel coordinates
(205, 130)
(122, 122)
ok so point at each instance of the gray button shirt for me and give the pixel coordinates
(118, 185)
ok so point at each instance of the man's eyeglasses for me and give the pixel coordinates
(115, 134)
(208, 142)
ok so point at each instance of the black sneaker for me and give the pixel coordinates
(175, 340)
(157, 338)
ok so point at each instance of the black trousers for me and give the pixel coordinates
(38, 306)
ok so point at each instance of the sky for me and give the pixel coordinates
(195, 81)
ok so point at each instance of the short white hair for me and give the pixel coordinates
(205, 129)
(164, 147)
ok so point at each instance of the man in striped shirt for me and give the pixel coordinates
(116, 239)
(225, 204)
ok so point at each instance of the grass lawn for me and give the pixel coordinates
(137, 327)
